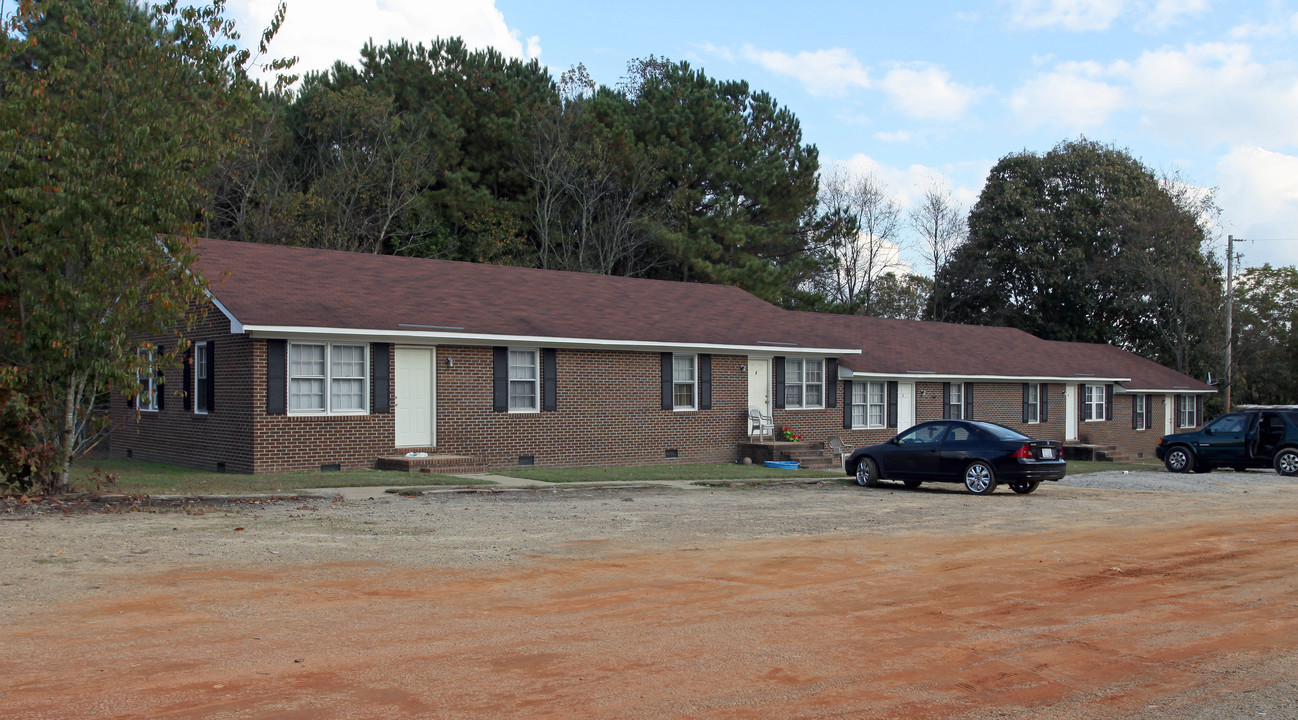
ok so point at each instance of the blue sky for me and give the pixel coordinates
(929, 91)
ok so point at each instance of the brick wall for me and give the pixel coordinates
(174, 435)
(609, 411)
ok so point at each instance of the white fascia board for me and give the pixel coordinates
(1164, 391)
(1088, 379)
(456, 338)
(236, 327)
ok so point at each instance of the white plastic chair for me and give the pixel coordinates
(759, 424)
(836, 446)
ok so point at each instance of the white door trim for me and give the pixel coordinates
(430, 439)
(1070, 412)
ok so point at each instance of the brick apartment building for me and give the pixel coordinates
(310, 359)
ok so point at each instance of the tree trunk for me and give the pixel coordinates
(67, 438)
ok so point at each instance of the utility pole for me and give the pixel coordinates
(1230, 309)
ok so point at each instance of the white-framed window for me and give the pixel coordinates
(1139, 413)
(328, 378)
(1034, 403)
(804, 383)
(524, 380)
(1186, 411)
(201, 373)
(146, 375)
(955, 401)
(685, 386)
(869, 405)
(1093, 402)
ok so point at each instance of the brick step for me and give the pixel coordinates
(440, 463)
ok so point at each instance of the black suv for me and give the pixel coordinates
(1254, 438)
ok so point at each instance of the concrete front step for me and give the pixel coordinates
(441, 463)
(810, 455)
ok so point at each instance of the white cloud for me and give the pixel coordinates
(831, 72)
(1074, 15)
(898, 136)
(1073, 97)
(1218, 92)
(1097, 15)
(1254, 184)
(925, 92)
(322, 31)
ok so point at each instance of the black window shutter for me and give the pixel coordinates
(892, 404)
(1149, 412)
(549, 379)
(778, 364)
(500, 379)
(1108, 402)
(276, 377)
(968, 401)
(159, 378)
(831, 384)
(381, 377)
(210, 386)
(847, 404)
(1083, 407)
(668, 403)
(1198, 409)
(1043, 395)
(187, 376)
(1025, 402)
(705, 382)
(946, 401)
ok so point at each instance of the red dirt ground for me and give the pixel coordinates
(1089, 623)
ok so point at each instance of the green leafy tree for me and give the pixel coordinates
(1084, 243)
(110, 116)
(905, 297)
(1266, 336)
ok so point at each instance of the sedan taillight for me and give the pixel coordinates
(1023, 453)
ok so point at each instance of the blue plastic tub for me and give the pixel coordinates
(782, 464)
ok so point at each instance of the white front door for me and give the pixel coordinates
(759, 384)
(1070, 412)
(1169, 414)
(905, 405)
(415, 416)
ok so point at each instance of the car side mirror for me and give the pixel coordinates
(1207, 431)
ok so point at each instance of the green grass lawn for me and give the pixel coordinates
(142, 478)
(695, 472)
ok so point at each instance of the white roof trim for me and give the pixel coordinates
(1088, 379)
(236, 327)
(425, 336)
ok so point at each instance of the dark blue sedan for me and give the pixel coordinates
(979, 454)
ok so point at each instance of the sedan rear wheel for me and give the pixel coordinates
(1023, 487)
(1286, 462)
(979, 478)
(867, 473)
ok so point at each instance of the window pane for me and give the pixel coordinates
(793, 396)
(347, 395)
(683, 395)
(683, 368)
(306, 394)
(876, 415)
(348, 361)
(859, 393)
(813, 395)
(815, 371)
(858, 416)
(522, 364)
(522, 394)
(306, 360)
(876, 393)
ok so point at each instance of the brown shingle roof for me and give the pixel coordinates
(271, 286)
(277, 286)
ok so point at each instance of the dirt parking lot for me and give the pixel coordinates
(1142, 595)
